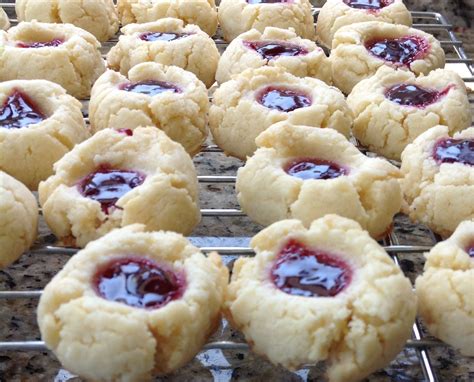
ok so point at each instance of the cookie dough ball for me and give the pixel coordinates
(169, 42)
(305, 173)
(238, 16)
(167, 97)
(18, 219)
(274, 47)
(327, 293)
(358, 50)
(98, 17)
(438, 182)
(257, 98)
(117, 178)
(39, 123)
(60, 53)
(198, 12)
(393, 107)
(4, 21)
(132, 304)
(337, 13)
(446, 292)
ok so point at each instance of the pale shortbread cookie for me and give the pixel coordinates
(386, 127)
(199, 12)
(29, 153)
(239, 56)
(238, 16)
(18, 219)
(337, 13)
(103, 340)
(236, 117)
(446, 290)
(4, 21)
(181, 115)
(352, 62)
(196, 53)
(167, 198)
(358, 331)
(369, 192)
(74, 64)
(438, 195)
(98, 17)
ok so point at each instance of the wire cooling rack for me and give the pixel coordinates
(232, 247)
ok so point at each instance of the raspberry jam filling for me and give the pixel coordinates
(139, 282)
(311, 168)
(163, 36)
(19, 111)
(400, 51)
(301, 271)
(454, 151)
(107, 185)
(268, 1)
(273, 49)
(368, 4)
(128, 132)
(150, 87)
(40, 44)
(414, 95)
(283, 99)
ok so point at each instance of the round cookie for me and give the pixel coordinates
(60, 53)
(393, 107)
(104, 330)
(274, 47)
(4, 21)
(304, 173)
(445, 290)
(169, 98)
(337, 13)
(18, 219)
(438, 182)
(327, 293)
(39, 123)
(168, 42)
(358, 50)
(239, 16)
(98, 17)
(117, 178)
(257, 98)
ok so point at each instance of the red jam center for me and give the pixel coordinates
(108, 185)
(414, 95)
(283, 99)
(151, 87)
(162, 36)
(306, 272)
(310, 168)
(368, 4)
(128, 132)
(454, 151)
(139, 282)
(19, 111)
(268, 1)
(401, 51)
(272, 49)
(40, 44)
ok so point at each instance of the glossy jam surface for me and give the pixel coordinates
(400, 51)
(128, 132)
(19, 111)
(151, 87)
(274, 49)
(163, 36)
(139, 282)
(268, 1)
(311, 168)
(107, 185)
(283, 99)
(454, 151)
(414, 95)
(40, 44)
(302, 271)
(368, 4)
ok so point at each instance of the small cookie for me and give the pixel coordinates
(60, 53)
(337, 13)
(168, 42)
(393, 107)
(446, 290)
(98, 17)
(257, 98)
(18, 219)
(198, 12)
(117, 178)
(439, 179)
(358, 50)
(131, 305)
(4, 21)
(239, 16)
(327, 293)
(274, 47)
(304, 173)
(167, 97)
(39, 123)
